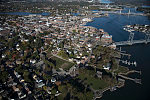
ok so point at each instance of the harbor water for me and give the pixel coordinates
(113, 24)
(105, 1)
(24, 13)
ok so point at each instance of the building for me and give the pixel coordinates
(40, 84)
(106, 38)
(99, 74)
(107, 66)
(112, 46)
(86, 20)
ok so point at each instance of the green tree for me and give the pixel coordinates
(47, 77)
(63, 54)
(3, 76)
(26, 76)
(19, 69)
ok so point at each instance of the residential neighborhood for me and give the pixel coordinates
(57, 56)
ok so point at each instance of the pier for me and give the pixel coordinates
(132, 79)
(125, 54)
(128, 62)
(132, 71)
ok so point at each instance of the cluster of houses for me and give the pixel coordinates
(136, 27)
(60, 28)
(54, 30)
(20, 89)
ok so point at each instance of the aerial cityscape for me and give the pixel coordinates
(74, 49)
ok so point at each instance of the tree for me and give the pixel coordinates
(71, 55)
(63, 54)
(3, 76)
(26, 76)
(47, 77)
(54, 91)
(19, 69)
(61, 45)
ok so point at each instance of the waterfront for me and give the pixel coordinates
(113, 24)
(131, 90)
(56, 57)
(105, 1)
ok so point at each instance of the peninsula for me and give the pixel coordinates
(57, 56)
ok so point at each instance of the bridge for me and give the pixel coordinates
(128, 13)
(119, 11)
(130, 41)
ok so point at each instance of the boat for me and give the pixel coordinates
(135, 63)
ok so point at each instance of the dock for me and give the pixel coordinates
(132, 79)
(128, 62)
(132, 71)
(125, 54)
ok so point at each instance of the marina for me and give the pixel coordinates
(90, 51)
(132, 79)
(139, 52)
(133, 63)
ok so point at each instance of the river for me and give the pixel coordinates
(113, 24)
(105, 1)
(24, 13)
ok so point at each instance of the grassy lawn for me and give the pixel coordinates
(122, 69)
(65, 89)
(62, 64)
(63, 54)
(96, 83)
(88, 77)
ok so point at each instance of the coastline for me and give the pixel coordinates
(100, 95)
(109, 88)
(120, 84)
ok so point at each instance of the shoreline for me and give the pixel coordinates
(109, 88)
(122, 84)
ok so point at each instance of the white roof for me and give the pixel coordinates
(107, 36)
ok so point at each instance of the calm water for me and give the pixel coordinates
(105, 1)
(25, 13)
(113, 24)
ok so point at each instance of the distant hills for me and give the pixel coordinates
(38, 0)
(134, 2)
